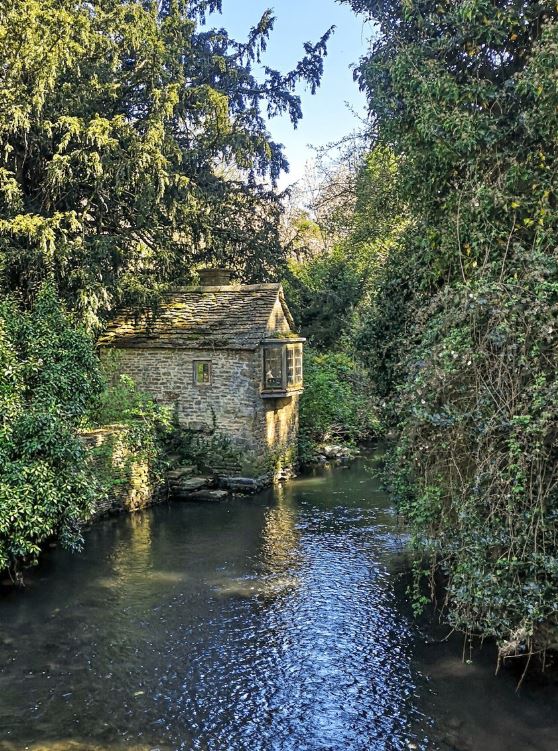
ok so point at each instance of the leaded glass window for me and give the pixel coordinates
(294, 365)
(282, 368)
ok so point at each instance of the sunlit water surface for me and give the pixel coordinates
(278, 623)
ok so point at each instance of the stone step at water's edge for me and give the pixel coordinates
(245, 485)
(188, 485)
(180, 472)
(338, 451)
(207, 494)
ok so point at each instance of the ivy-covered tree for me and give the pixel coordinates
(133, 144)
(466, 313)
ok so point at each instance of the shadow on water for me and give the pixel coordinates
(270, 624)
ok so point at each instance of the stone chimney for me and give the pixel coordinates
(215, 277)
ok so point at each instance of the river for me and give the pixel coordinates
(275, 623)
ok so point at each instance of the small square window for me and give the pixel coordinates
(202, 372)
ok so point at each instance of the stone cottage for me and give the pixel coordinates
(224, 356)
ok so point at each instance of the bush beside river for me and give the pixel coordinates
(52, 387)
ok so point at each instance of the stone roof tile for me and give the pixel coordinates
(231, 317)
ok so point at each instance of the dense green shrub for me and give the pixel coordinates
(48, 374)
(463, 322)
(476, 469)
(336, 404)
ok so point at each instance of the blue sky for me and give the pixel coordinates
(327, 117)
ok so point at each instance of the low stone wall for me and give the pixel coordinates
(127, 478)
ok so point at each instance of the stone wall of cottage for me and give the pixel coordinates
(281, 432)
(231, 403)
(278, 323)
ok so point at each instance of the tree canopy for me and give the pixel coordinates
(341, 243)
(134, 144)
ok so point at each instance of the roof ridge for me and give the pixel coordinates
(225, 288)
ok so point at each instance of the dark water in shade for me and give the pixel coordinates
(270, 624)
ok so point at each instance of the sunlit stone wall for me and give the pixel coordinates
(231, 403)
(125, 477)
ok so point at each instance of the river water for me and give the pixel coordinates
(276, 623)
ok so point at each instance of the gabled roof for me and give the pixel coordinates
(231, 317)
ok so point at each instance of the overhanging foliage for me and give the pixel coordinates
(133, 144)
(48, 374)
(465, 312)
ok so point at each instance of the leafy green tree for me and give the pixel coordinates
(464, 95)
(359, 217)
(48, 374)
(335, 405)
(323, 294)
(133, 145)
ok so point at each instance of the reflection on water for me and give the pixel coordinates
(269, 624)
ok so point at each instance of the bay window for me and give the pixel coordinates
(282, 367)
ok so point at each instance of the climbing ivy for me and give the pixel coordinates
(462, 331)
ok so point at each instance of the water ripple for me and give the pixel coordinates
(269, 624)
